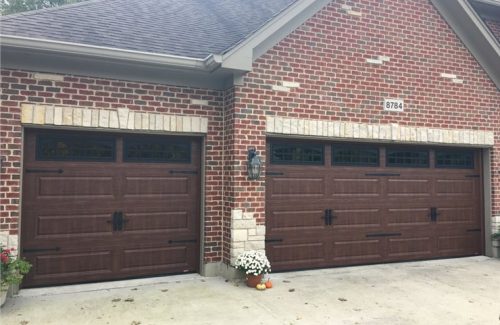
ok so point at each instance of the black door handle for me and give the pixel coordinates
(35, 250)
(272, 240)
(118, 221)
(325, 216)
(188, 172)
(328, 217)
(58, 171)
(331, 216)
(115, 221)
(434, 214)
(182, 241)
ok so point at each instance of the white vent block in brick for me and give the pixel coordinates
(348, 10)
(457, 81)
(354, 13)
(374, 61)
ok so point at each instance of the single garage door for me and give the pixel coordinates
(104, 206)
(333, 204)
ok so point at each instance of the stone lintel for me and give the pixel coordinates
(121, 119)
(378, 132)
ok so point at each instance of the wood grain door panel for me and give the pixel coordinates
(380, 214)
(68, 209)
(298, 254)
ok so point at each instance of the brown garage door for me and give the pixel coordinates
(345, 204)
(104, 206)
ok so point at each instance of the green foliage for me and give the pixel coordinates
(14, 6)
(13, 269)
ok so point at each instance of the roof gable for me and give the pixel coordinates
(211, 40)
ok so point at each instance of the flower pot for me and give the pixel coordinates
(253, 280)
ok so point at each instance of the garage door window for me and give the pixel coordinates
(299, 154)
(152, 149)
(71, 147)
(454, 159)
(352, 155)
(407, 158)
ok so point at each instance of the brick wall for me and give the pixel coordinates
(228, 169)
(21, 86)
(327, 56)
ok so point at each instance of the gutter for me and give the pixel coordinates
(208, 64)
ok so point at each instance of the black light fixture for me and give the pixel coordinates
(254, 164)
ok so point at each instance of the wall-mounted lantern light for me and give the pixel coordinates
(254, 164)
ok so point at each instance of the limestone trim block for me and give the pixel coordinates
(374, 61)
(9, 241)
(384, 58)
(280, 88)
(290, 84)
(200, 102)
(495, 224)
(348, 10)
(47, 76)
(378, 132)
(121, 119)
(246, 234)
(448, 75)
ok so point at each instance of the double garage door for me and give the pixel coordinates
(104, 206)
(333, 204)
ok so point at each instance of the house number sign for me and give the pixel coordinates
(394, 105)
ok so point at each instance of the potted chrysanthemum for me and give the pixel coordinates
(254, 264)
(12, 272)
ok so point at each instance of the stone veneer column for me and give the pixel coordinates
(9, 241)
(495, 227)
(245, 234)
(495, 224)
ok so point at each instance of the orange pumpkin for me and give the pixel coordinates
(269, 284)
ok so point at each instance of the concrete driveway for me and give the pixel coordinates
(453, 291)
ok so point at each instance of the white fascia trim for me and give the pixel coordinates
(490, 2)
(241, 57)
(480, 24)
(208, 64)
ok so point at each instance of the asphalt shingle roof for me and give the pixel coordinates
(191, 28)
